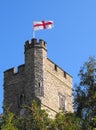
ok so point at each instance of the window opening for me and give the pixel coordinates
(61, 101)
(64, 74)
(22, 98)
(39, 89)
(55, 67)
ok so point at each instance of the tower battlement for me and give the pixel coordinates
(13, 71)
(34, 43)
(59, 72)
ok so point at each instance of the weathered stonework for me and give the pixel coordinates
(38, 77)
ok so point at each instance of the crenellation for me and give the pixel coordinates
(10, 72)
(57, 70)
(21, 68)
(33, 44)
(13, 71)
(42, 43)
(28, 45)
(34, 41)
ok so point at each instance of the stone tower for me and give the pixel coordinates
(40, 78)
(35, 55)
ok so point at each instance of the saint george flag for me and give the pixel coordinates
(39, 25)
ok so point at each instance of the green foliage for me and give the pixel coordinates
(85, 99)
(8, 121)
(67, 121)
(38, 119)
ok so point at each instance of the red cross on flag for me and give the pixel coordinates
(39, 25)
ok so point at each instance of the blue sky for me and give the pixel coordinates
(69, 43)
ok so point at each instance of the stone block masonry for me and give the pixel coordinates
(40, 78)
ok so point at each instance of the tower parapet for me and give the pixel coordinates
(34, 43)
(9, 72)
(12, 71)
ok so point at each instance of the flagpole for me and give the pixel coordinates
(33, 31)
(33, 34)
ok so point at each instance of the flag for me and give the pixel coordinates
(39, 25)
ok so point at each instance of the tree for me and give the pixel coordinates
(67, 121)
(37, 119)
(8, 122)
(85, 98)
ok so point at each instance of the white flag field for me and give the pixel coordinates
(40, 25)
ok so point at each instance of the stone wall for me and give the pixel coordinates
(55, 84)
(14, 84)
